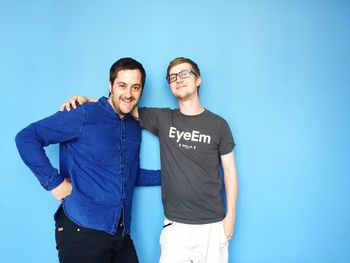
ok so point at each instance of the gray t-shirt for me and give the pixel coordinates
(190, 149)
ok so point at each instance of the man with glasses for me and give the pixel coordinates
(99, 166)
(193, 141)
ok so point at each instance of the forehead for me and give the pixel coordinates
(129, 75)
(180, 67)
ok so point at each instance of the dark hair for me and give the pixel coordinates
(123, 64)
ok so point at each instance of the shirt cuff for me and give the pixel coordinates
(54, 181)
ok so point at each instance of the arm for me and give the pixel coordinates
(30, 141)
(148, 177)
(74, 100)
(62, 190)
(149, 119)
(231, 189)
(135, 113)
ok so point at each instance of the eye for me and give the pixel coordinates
(136, 88)
(172, 77)
(122, 85)
(185, 73)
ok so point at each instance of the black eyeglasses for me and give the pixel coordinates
(183, 74)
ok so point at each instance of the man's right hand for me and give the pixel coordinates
(63, 190)
(74, 100)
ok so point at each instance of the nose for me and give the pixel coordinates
(128, 92)
(178, 79)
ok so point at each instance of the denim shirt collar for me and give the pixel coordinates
(108, 107)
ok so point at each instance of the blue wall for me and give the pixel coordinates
(278, 71)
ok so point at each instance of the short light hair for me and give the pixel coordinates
(180, 60)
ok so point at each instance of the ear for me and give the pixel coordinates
(198, 81)
(110, 87)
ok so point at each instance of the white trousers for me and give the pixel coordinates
(186, 243)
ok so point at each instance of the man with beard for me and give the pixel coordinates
(99, 167)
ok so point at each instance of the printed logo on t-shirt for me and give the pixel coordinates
(194, 136)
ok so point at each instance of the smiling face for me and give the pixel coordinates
(184, 88)
(125, 91)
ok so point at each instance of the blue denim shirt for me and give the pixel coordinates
(99, 152)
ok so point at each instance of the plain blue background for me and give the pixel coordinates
(277, 71)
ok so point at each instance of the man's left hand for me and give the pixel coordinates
(228, 226)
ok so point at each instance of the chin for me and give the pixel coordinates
(181, 96)
(127, 111)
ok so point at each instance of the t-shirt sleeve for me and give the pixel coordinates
(227, 142)
(149, 119)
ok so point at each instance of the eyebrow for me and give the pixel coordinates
(180, 71)
(121, 82)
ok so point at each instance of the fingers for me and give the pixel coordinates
(228, 232)
(62, 107)
(229, 235)
(62, 190)
(65, 106)
(68, 106)
(81, 100)
(73, 103)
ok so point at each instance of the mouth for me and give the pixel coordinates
(126, 104)
(127, 101)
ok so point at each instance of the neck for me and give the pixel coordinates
(115, 109)
(191, 107)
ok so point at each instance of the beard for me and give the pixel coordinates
(121, 107)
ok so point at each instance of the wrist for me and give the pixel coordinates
(230, 213)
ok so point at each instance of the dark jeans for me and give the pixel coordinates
(76, 244)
